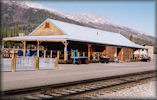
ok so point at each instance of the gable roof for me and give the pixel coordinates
(85, 34)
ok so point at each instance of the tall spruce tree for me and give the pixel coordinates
(131, 37)
(16, 30)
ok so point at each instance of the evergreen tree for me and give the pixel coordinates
(11, 34)
(16, 30)
(131, 37)
(6, 31)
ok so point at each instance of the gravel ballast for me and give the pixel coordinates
(143, 91)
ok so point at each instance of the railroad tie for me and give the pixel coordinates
(44, 96)
(32, 97)
(54, 94)
(98, 86)
(78, 90)
(59, 93)
(62, 92)
(70, 91)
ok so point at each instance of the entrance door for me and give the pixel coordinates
(119, 53)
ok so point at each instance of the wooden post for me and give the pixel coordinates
(44, 53)
(65, 50)
(122, 55)
(139, 53)
(56, 63)
(3, 44)
(51, 54)
(38, 43)
(89, 46)
(83, 54)
(58, 54)
(37, 63)
(98, 56)
(78, 54)
(147, 52)
(24, 50)
(93, 56)
(13, 64)
(72, 54)
(65, 55)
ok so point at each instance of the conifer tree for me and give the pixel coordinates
(131, 37)
(16, 29)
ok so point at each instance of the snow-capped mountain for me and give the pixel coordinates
(34, 13)
(89, 17)
(29, 4)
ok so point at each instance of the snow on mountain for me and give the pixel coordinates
(29, 4)
(88, 17)
(94, 20)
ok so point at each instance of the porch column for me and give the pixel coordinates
(38, 43)
(24, 48)
(147, 52)
(89, 46)
(122, 56)
(3, 43)
(44, 53)
(65, 50)
(139, 53)
(51, 54)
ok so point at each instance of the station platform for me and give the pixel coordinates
(69, 73)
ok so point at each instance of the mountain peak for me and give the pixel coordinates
(29, 4)
(33, 13)
(89, 18)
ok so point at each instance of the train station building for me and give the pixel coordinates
(54, 38)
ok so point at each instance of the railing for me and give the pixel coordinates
(7, 53)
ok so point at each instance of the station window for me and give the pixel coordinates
(47, 25)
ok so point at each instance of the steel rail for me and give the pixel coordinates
(60, 90)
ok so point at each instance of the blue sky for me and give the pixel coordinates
(139, 15)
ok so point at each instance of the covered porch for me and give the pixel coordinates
(61, 48)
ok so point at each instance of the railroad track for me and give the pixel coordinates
(81, 89)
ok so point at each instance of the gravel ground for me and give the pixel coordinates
(143, 91)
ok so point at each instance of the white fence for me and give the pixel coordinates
(27, 63)
(6, 64)
(47, 63)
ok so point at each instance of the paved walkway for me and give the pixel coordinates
(68, 73)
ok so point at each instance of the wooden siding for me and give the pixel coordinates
(126, 54)
(47, 29)
(104, 52)
(110, 50)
